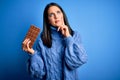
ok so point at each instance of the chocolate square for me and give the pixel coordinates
(32, 34)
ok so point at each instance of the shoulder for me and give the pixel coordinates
(76, 34)
(39, 41)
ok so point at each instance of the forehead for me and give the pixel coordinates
(53, 9)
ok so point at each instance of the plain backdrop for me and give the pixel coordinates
(98, 22)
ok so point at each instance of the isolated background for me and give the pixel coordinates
(98, 22)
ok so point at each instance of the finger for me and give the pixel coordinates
(25, 41)
(28, 44)
(62, 29)
(58, 29)
(65, 28)
(24, 48)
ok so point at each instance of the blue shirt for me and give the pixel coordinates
(60, 62)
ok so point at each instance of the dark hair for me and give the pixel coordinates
(46, 34)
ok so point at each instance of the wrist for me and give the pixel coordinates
(68, 39)
(31, 51)
(67, 35)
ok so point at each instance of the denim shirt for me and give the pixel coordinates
(60, 62)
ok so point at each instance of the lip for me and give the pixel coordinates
(57, 21)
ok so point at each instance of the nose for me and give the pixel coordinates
(56, 16)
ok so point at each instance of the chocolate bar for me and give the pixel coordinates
(32, 34)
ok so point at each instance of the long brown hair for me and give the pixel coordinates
(46, 34)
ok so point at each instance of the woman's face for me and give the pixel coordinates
(55, 16)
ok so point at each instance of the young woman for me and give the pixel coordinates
(59, 51)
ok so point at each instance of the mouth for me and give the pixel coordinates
(57, 21)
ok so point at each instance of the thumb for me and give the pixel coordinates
(28, 44)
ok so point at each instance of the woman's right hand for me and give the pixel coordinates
(26, 48)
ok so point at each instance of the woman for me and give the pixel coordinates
(59, 51)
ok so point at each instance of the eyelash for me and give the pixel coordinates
(58, 12)
(51, 14)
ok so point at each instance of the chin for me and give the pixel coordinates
(58, 24)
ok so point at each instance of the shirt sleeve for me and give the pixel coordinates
(75, 55)
(36, 64)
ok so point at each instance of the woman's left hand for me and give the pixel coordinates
(64, 30)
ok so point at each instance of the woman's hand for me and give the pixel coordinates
(26, 48)
(64, 30)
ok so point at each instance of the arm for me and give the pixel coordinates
(75, 54)
(36, 64)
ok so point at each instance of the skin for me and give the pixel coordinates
(56, 19)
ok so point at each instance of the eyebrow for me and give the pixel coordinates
(55, 11)
(50, 14)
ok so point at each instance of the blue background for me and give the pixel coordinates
(98, 22)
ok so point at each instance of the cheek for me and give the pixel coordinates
(51, 21)
(62, 19)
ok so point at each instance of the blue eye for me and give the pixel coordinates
(51, 14)
(58, 12)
